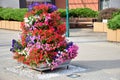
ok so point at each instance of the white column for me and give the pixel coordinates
(115, 3)
(9, 3)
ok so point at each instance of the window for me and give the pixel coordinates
(40, 1)
(104, 4)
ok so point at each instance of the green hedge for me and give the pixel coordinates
(0, 13)
(86, 12)
(116, 13)
(107, 13)
(12, 14)
(18, 14)
(79, 12)
(62, 12)
(114, 23)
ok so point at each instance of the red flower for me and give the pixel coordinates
(16, 55)
(21, 58)
(23, 39)
(61, 29)
(23, 28)
(41, 7)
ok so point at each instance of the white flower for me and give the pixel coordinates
(31, 19)
(37, 16)
(24, 52)
(27, 25)
(26, 20)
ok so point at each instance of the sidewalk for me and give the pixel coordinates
(100, 57)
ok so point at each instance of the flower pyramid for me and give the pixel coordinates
(43, 39)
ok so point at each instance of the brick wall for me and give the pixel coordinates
(60, 3)
(93, 4)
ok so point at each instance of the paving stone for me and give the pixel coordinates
(100, 57)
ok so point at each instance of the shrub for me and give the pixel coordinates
(114, 23)
(0, 12)
(85, 12)
(72, 13)
(107, 13)
(79, 12)
(12, 14)
(18, 14)
(6, 13)
(62, 12)
(116, 13)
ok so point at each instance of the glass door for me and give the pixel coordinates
(104, 4)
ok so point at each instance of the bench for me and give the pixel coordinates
(81, 22)
(73, 22)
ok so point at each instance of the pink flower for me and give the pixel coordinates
(72, 51)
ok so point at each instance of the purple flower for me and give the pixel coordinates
(69, 44)
(27, 39)
(30, 7)
(45, 3)
(52, 8)
(58, 61)
(13, 42)
(32, 38)
(16, 46)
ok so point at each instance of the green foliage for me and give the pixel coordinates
(116, 13)
(6, 13)
(0, 14)
(62, 12)
(107, 13)
(12, 14)
(85, 12)
(114, 23)
(72, 13)
(18, 14)
(79, 12)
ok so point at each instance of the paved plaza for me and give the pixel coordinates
(99, 57)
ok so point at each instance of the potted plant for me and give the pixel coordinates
(113, 33)
(103, 16)
(43, 44)
(11, 18)
(106, 14)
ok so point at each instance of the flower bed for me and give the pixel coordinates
(43, 38)
(100, 27)
(114, 29)
(12, 25)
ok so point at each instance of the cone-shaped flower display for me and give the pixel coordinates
(42, 39)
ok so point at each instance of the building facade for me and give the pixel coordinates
(13, 3)
(93, 4)
(9, 3)
(109, 4)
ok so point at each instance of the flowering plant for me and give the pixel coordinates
(42, 39)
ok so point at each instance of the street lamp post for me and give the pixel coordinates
(67, 18)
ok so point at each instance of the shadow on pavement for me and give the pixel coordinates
(96, 65)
